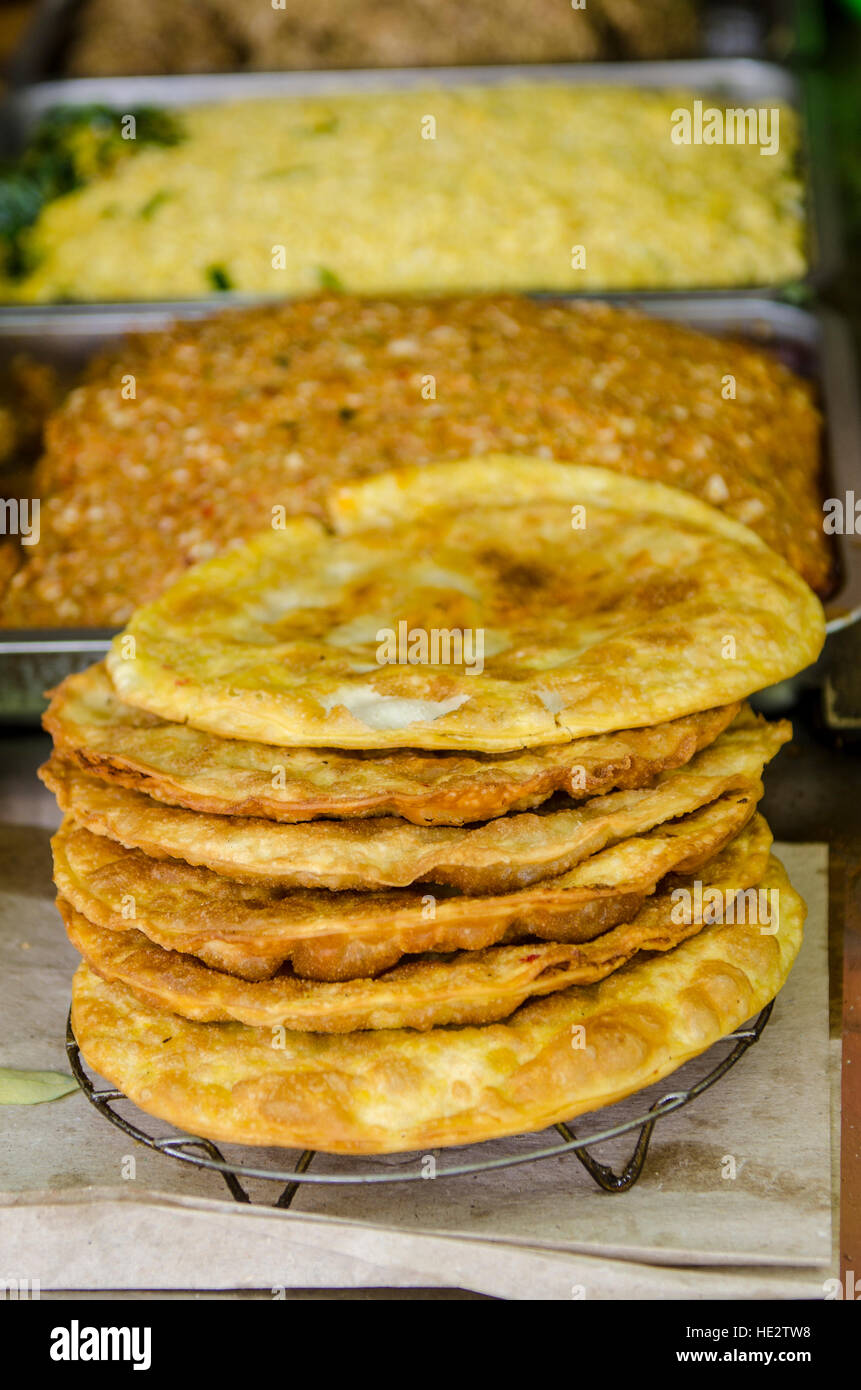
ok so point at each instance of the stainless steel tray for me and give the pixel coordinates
(774, 29)
(817, 345)
(735, 79)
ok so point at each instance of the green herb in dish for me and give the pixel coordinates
(328, 279)
(153, 204)
(219, 278)
(70, 146)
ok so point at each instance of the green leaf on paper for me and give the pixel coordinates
(32, 1087)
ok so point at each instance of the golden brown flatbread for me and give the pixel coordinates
(252, 931)
(399, 1090)
(538, 602)
(183, 766)
(478, 986)
(500, 855)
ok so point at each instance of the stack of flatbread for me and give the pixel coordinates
(435, 820)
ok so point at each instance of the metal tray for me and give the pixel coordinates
(772, 29)
(735, 79)
(816, 345)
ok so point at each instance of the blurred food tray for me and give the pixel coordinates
(735, 80)
(772, 29)
(817, 346)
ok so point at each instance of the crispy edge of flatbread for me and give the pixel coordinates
(327, 936)
(397, 1091)
(181, 767)
(499, 855)
(429, 991)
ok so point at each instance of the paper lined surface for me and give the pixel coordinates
(64, 1170)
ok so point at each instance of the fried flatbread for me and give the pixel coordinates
(492, 604)
(399, 1090)
(504, 854)
(253, 931)
(183, 766)
(428, 992)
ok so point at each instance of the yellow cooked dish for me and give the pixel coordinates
(522, 186)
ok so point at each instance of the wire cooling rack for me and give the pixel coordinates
(202, 1153)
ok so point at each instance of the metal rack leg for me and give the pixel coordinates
(606, 1178)
(213, 1152)
(292, 1188)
